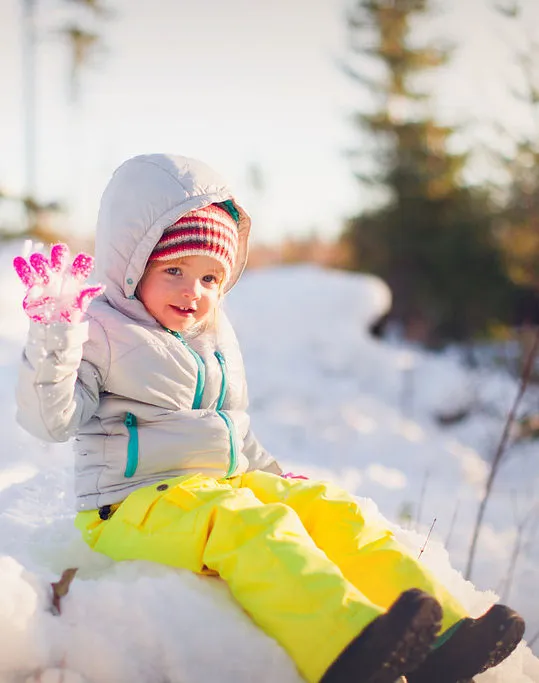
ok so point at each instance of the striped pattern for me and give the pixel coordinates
(210, 231)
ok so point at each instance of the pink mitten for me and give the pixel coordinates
(291, 475)
(55, 288)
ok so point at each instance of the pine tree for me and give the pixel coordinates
(518, 229)
(431, 240)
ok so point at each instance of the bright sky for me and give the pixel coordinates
(225, 81)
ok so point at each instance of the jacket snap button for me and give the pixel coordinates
(105, 512)
(162, 487)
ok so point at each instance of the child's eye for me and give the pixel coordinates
(173, 271)
(211, 279)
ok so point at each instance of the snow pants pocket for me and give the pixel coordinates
(286, 548)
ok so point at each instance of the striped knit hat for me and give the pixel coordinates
(210, 231)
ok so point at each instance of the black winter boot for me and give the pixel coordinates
(476, 645)
(394, 643)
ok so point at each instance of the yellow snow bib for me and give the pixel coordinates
(297, 555)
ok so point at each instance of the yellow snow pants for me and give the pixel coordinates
(296, 554)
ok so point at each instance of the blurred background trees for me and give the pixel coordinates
(517, 224)
(462, 260)
(431, 238)
(29, 215)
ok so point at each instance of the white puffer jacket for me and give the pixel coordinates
(143, 404)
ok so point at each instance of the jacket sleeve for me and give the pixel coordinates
(259, 458)
(58, 390)
(256, 454)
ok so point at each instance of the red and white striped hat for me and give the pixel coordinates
(210, 231)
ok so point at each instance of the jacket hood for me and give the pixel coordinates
(145, 195)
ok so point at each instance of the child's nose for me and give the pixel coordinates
(191, 288)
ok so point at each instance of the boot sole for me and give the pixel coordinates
(507, 634)
(492, 640)
(412, 644)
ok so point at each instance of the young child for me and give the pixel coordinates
(151, 385)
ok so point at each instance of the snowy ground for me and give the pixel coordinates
(328, 401)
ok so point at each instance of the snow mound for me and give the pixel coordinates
(328, 400)
(140, 621)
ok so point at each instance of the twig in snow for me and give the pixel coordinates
(500, 451)
(422, 497)
(427, 539)
(61, 588)
(518, 545)
(452, 524)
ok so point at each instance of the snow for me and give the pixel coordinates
(329, 401)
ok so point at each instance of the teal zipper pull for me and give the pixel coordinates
(201, 370)
(230, 425)
(132, 445)
(232, 441)
(224, 381)
(199, 391)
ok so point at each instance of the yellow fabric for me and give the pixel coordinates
(296, 555)
(368, 556)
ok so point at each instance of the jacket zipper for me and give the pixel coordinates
(201, 370)
(230, 425)
(232, 440)
(201, 380)
(131, 420)
(224, 382)
(132, 445)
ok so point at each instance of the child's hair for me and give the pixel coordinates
(214, 324)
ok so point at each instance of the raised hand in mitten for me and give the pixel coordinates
(56, 288)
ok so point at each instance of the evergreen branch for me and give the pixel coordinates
(373, 179)
(96, 6)
(364, 80)
(511, 11)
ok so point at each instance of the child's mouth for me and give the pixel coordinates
(184, 310)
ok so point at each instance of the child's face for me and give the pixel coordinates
(181, 292)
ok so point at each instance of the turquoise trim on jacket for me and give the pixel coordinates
(201, 370)
(232, 439)
(132, 445)
(131, 420)
(230, 425)
(224, 381)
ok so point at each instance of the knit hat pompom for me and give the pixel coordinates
(210, 231)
